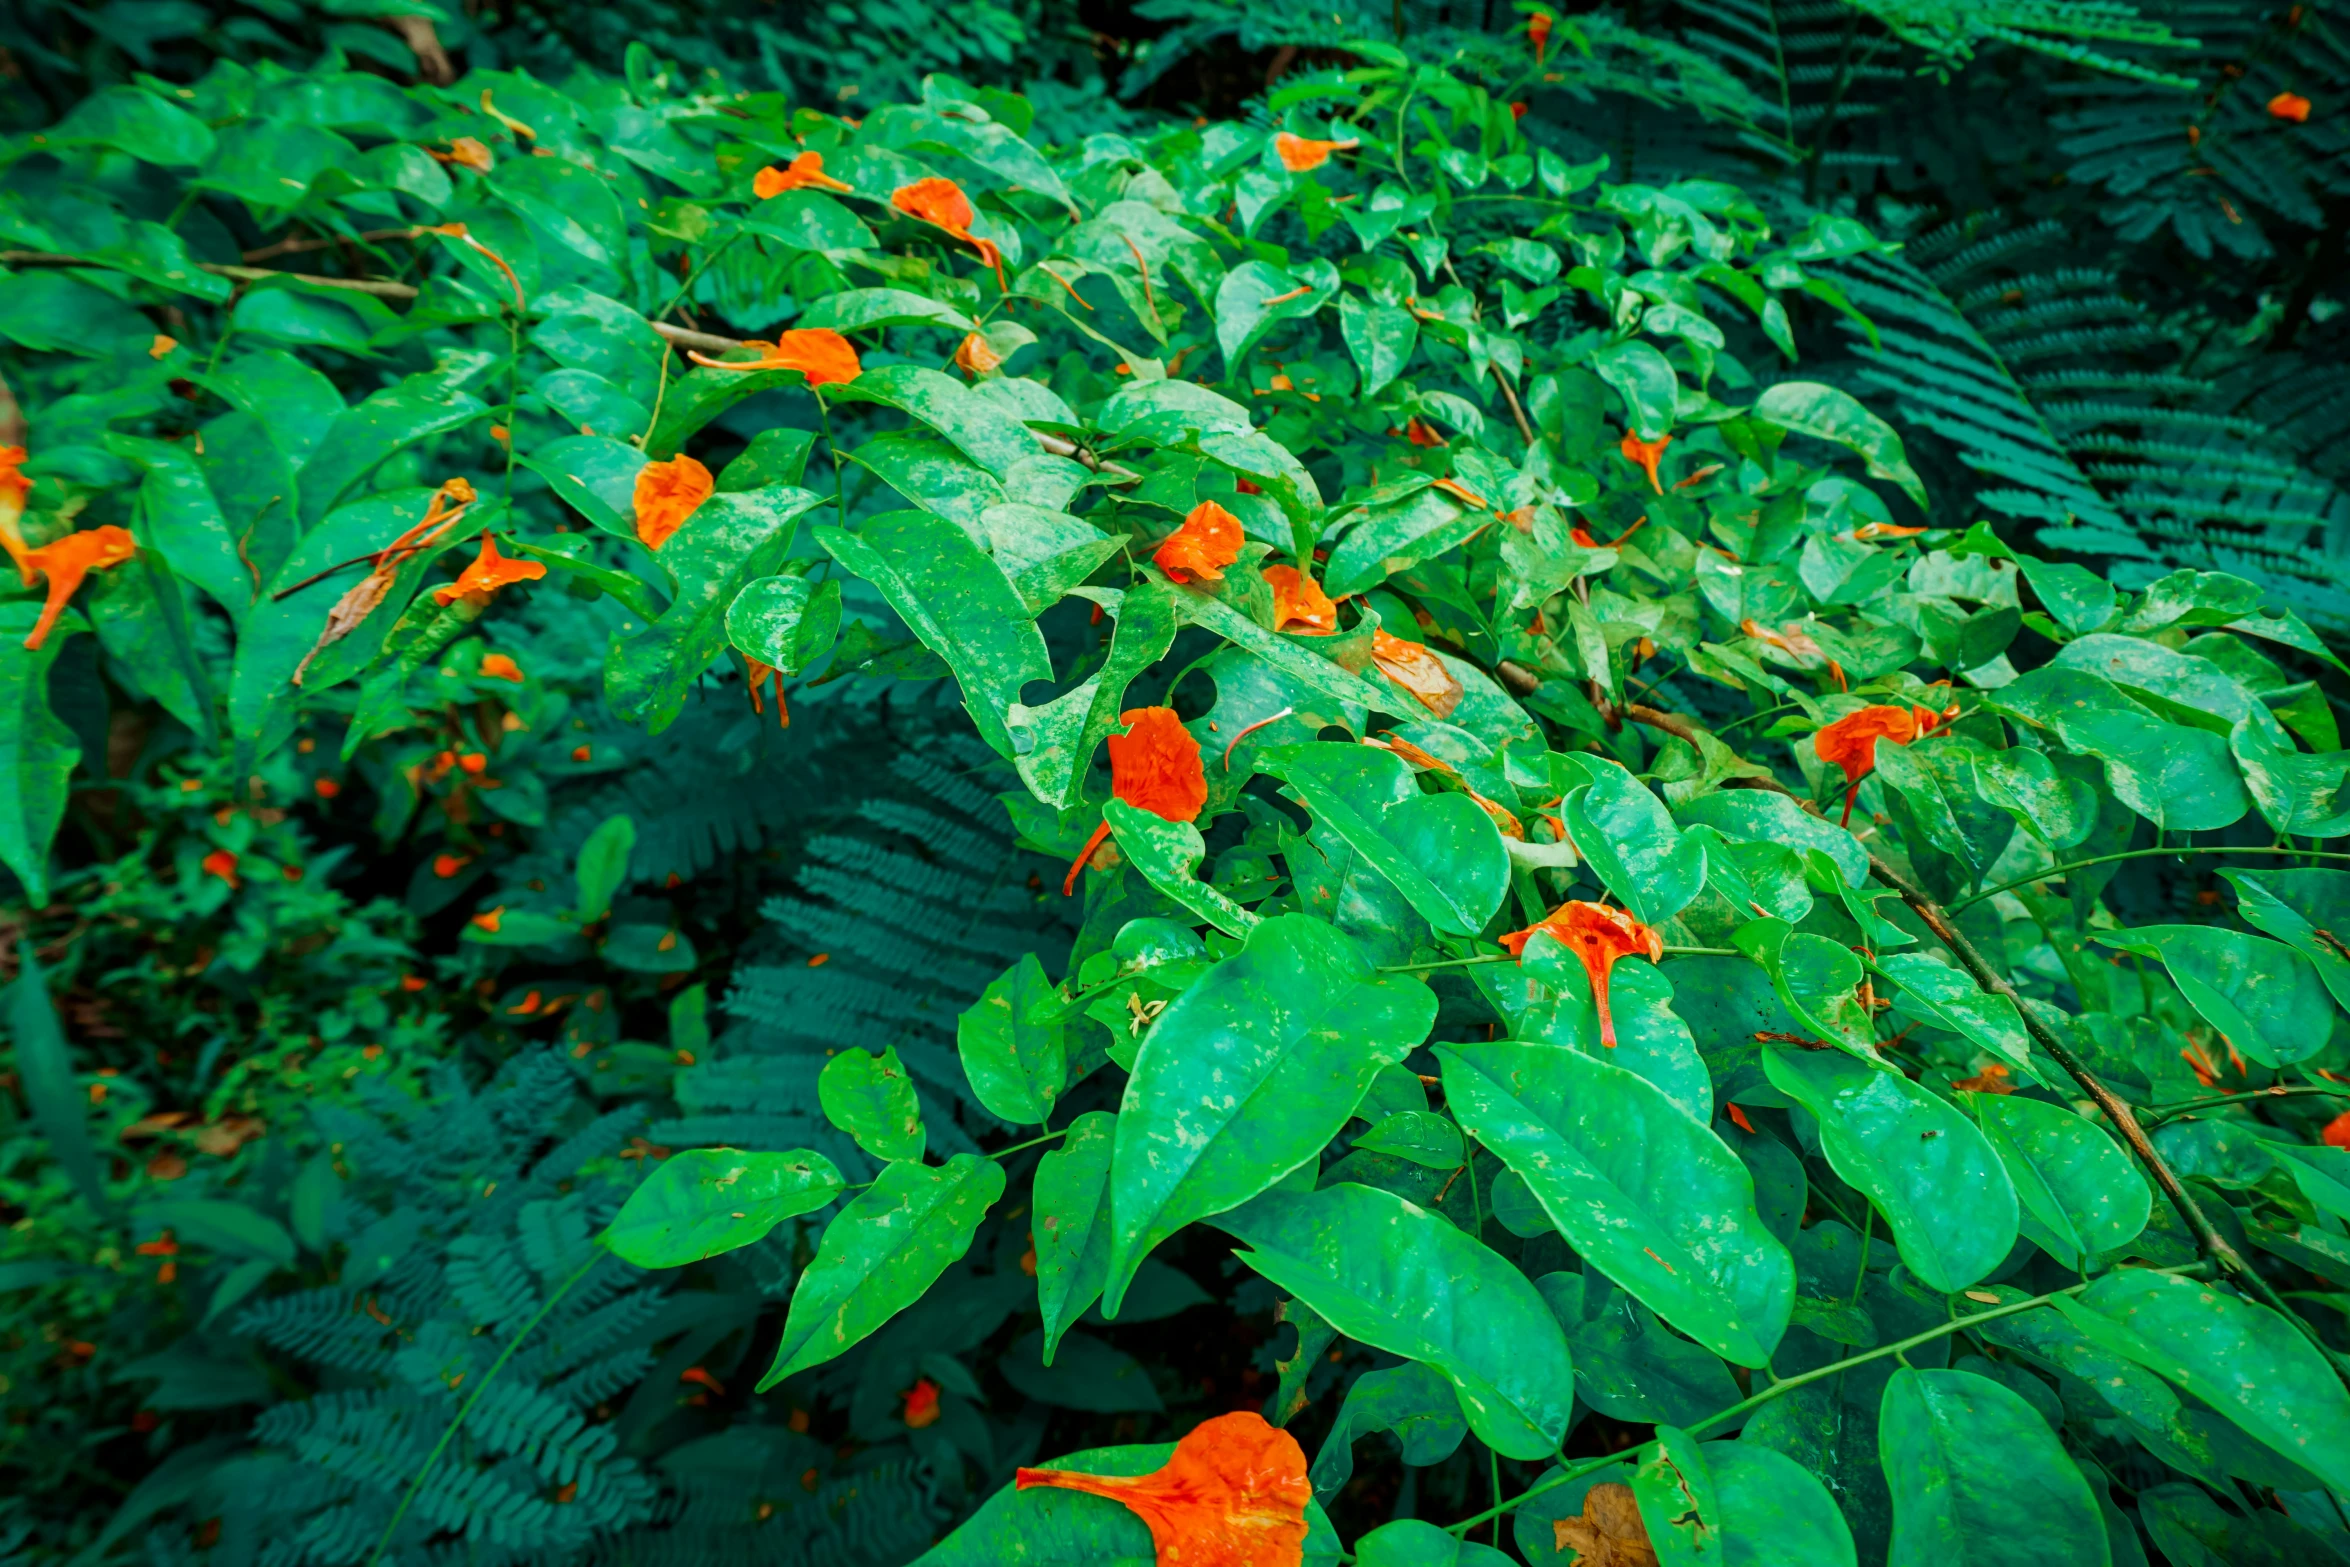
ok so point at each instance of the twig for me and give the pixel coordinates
(381, 288)
(2162, 1113)
(1525, 430)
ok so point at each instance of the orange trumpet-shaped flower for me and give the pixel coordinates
(488, 572)
(1300, 153)
(803, 173)
(468, 153)
(1155, 766)
(65, 563)
(666, 494)
(817, 352)
(1598, 935)
(2337, 1131)
(922, 1404)
(1420, 432)
(2289, 106)
(1647, 454)
(941, 203)
(1299, 604)
(1850, 742)
(222, 864)
(977, 356)
(1418, 671)
(1538, 28)
(497, 666)
(1208, 541)
(1233, 1494)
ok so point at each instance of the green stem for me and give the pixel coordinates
(2155, 1117)
(840, 480)
(1005, 1153)
(2054, 871)
(1740, 1410)
(447, 1436)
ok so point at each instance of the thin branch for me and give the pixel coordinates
(2055, 871)
(2172, 1112)
(1508, 392)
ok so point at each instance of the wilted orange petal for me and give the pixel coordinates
(666, 494)
(222, 864)
(489, 572)
(1299, 604)
(1850, 743)
(802, 173)
(1598, 935)
(2337, 1131)
(922, 1404)
(1155, 765)
(66, 562)
(1232, 1494)
(1300, 153)
(1418, 671)
(1208, 541)
(1646, 454)
(2289, 106)
(1538, 33)
(1462, 493)
(497, 666)
(977, 356)
(819, 353)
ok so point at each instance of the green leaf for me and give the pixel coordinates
(149, 127)
(2179, 778)
(2079, 599)
(1090, 1376)
(700, 1202)
(1644, 379)
(44, 1069)
(1054, 745)
(1635, 1183)
(2240, 1358)
(1392, 1275)
(1651, 1039)
(602, 868)
(729, 542)
(1397, 537)
(2081, 1195)
(1309, 669)
(363, 435)
(1168, 854)
(979, 426)
(1072, 1226)
(38, 753)
(1763, 816)
(2302, 909)
(1012, 1046)
(786, 623)
(216, 1225)
(181, 521)
(1632, 845)
(2267, 998)
(1246, 308)
(1410, 1400)
(871, 1098)
(2297, 793)
(1419, 1136)
(1414, 1542)
(594, 475)
(1674, 1487)
(1773, 1511)
(1817, 979)
(1926, 1166)
(1247, 1075)
(858, 309)
(1977, 1476)
(1441, 851)
(1380, 337)
(811, 220)
(881, 1253)
(1948, 999)
(573, 203)
(1628, 1365)
(1832, 414)
(954, 598)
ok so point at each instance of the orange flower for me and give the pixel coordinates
(817, 352)
(1598, 935)
(1300, 153)
(466, 153)
(325, 788)
(2337, 1132)
(1418, 671)
(666, 494)
(1884, 530)
(2289, 106)
(14, 487)
(802, 173)
(1646, 454)
(489, 572)
(489, 921)
(1299, 604)
(161, 346)
(1154, 766)
(1233, 1494)
(1993, 1079)
(497, 666)
(1208, 541)
(922, 1404)
(976, 356)
(941, 203)
(1538, 29)
(222, 864)
(1420, 432)
(760, 675)
(1851, 741)
(65, 563)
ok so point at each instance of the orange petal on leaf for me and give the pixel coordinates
(1609, 1531)
(1418, 671)
(1299, 604)
(1850, 743)
(1300, 153)
(1598, 935)
(1647, 454)
(666, 494)
(803, 172)
(817, 352)
(66, 562)
(2289, 106)
(1233, 1494)
(489, 572)
(1208, 541)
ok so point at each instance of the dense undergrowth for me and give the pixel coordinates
(1717, 424)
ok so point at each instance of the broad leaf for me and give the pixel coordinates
(1011, 1042)
(871, 1098)
(1441, 851)
(700, 1202)
(1977, 1476)
(2267, 998)
(2082, 1195)
(1072, 1224)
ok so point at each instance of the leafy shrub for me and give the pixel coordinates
(1626, 901)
